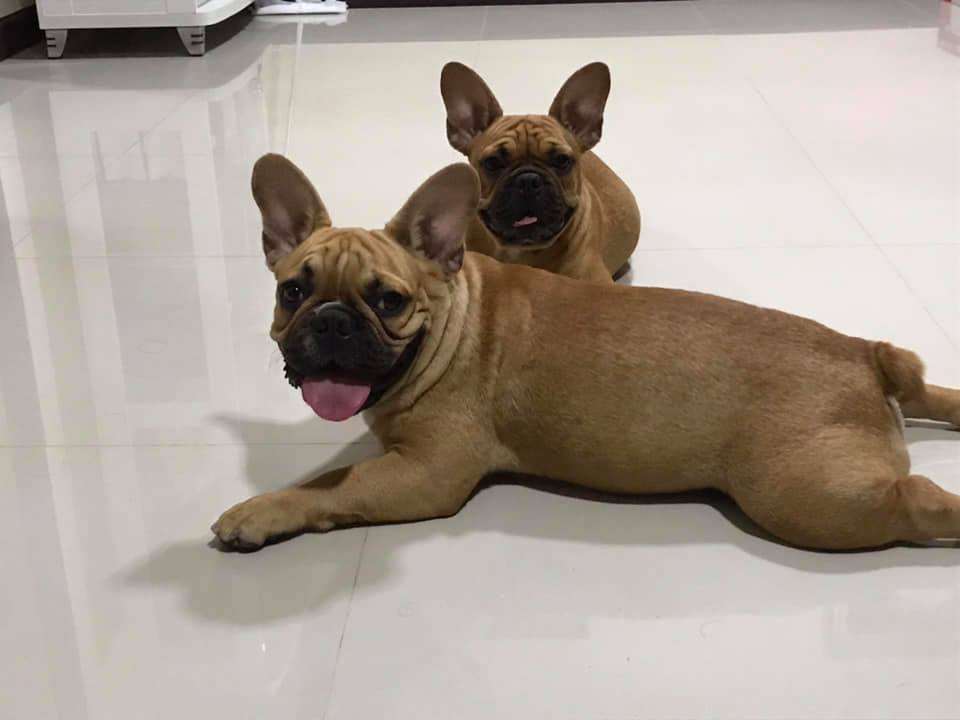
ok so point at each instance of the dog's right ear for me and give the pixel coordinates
(433, 223)
(471, 106)
(289, 205)
(580, 103)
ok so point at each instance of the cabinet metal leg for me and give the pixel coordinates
(194, 39)
(56, 42)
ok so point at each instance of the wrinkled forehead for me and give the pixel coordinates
(525, 135)
(341, 261)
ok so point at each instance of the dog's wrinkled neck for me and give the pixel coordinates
(400, 368)
(440, 343)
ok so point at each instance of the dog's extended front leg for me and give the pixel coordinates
(392, 488)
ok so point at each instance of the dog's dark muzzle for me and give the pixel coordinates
(335, 337)
(528, 209)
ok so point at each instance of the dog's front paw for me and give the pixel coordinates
(253, 523)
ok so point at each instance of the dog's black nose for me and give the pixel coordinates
(334, 320)
(528, 181)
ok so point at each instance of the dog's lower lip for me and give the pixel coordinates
(338, 375)
(332, 372)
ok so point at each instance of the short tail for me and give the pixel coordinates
(901, 373)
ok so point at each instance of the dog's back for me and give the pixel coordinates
(651, 389)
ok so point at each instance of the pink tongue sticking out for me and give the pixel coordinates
(334, 397)
(523, 222)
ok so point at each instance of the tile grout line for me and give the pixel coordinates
(856, 218)
(346, 621)
(916, 297)
(478, 46)
(675, 248)
(288, 133)
(708, 28)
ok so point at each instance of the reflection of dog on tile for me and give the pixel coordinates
(465, 366)
(546, 199)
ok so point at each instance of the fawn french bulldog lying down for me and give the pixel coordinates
(464, 366)
(546, 199)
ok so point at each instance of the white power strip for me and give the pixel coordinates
(300, 7)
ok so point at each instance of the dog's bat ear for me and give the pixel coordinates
(433, 222)
(289, 205)
(471, 106)
(579, 104)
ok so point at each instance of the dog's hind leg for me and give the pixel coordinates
(937, 403)
(853, 511)
(843, 488)
(927, 511)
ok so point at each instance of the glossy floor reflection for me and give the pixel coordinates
(803, 155)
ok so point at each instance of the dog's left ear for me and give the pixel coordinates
(471, 105)
(433, 222)
(289, 205)
(579, 104)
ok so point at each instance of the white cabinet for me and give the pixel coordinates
(190, 17)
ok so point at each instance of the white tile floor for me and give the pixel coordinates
(800, 154)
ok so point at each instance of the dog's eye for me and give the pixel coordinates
(291, 294)
(562, 162)
(390, 303)
(492, 164)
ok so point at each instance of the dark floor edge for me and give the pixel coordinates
(365, 4)
(18, 31)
